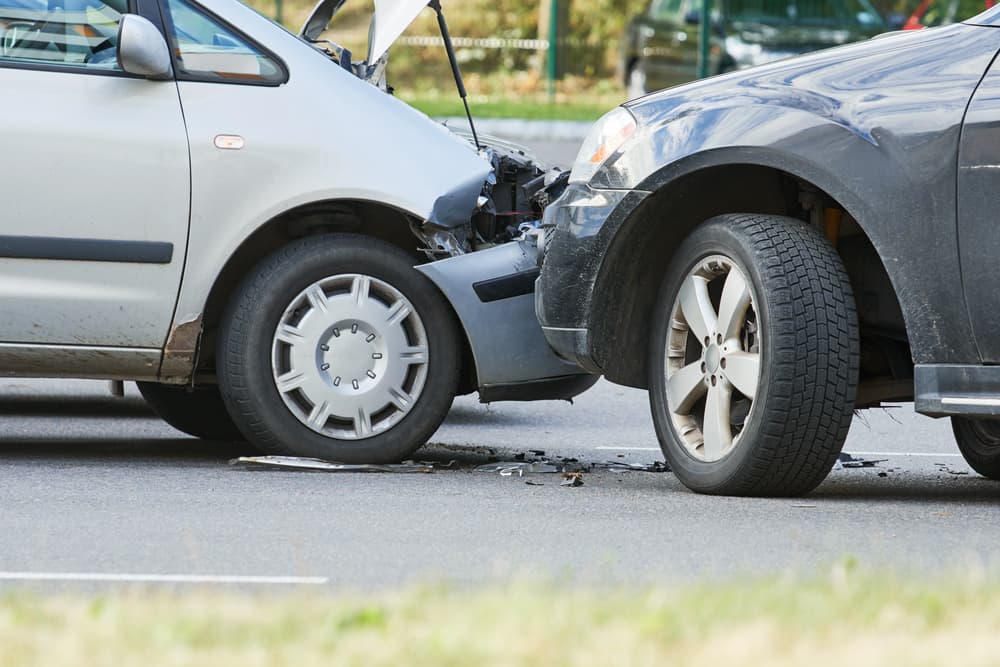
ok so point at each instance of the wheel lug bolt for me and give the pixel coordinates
(707, 341)
(718, 338)
(713, 380)
(722, 362)
(703, 367)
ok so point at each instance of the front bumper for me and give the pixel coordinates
(585, 221)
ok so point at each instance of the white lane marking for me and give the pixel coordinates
(929, 454)
(631, 449)
(159, 578)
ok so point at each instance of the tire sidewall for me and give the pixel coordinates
(316, 258)
(714, 238)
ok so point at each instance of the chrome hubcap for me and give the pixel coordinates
(713, 358)
(349, 356)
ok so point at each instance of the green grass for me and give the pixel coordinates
(841, 618)
(508, 108)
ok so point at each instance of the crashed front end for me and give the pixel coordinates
(481, 233)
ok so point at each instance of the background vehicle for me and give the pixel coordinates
(203, 202)
(769, 250)
(930, 13)
(660, 48)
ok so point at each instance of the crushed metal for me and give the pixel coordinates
(305, 463)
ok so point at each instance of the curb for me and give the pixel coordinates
(520, 129)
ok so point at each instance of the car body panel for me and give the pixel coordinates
(100, 159)
(374, 148)
(876, 125)
(506, 340)
(979, 225)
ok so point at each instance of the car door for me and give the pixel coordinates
(978, 221)
(94, 182)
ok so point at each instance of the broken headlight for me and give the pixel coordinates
(605, 137)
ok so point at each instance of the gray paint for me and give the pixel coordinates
(507, 342)
(875, 124)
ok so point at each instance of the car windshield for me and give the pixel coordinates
(822, 13)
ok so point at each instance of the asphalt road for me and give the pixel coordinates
(90, 484)
(96, 487)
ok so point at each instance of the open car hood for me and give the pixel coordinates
(391, 18)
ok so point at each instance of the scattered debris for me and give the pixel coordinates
(847, 461)
(537, 452)
(303, 463)
(804, 506)
(530, 483)
(508, 468)
(883, 474)
(572, 479)
(944, 467)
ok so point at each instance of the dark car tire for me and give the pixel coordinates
(979, 442)
(278, 422)
(796, 414)
(197, 411)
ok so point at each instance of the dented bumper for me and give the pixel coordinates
(493, 293)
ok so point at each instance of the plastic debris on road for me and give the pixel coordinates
(545, 466)
(845, 460)
(572, 479)
(319, 465)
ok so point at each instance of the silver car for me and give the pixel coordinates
(242, 220)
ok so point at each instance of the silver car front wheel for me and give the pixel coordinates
(336, 347)
(349, 356)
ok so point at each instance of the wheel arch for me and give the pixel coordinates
(356, 216)
(687, 193)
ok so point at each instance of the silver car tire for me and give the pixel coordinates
(754, 357)
(335, 347)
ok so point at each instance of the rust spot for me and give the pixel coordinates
(181, 351)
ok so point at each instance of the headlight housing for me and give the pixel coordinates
(605, 137)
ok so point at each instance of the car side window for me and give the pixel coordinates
(207, 50)
(77, 33)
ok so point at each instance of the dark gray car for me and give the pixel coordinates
(769, 250)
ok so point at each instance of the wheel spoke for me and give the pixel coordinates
(685, 387)
(362, 423)
(697, 307)
(400, 398)
(717, 431)
(319, 414)
(733, 304)
(415, 354)
(288, 334)
(743, 371)
(291, 380)
(360, 288)
(397, 313)
(317, 298)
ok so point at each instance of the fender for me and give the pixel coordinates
(879, 154)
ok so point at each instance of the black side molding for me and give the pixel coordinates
(86, 250)
(505, 287)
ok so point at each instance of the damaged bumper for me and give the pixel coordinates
(492, 292)
(584, 220)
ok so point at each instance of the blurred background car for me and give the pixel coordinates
(661, 45)
(930, 13)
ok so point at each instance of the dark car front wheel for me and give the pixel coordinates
(754, 357)
(336, 347)
(979, 442)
